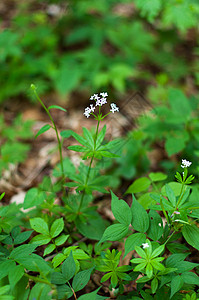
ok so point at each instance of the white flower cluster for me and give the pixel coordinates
(185, 163)
(100, 100)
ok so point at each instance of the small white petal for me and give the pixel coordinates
(145, 245)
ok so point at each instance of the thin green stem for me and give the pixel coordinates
(169, 238)
(163, 209)
(89, 169)
(37, 279)
(56, 131)
(72, 290)
(180, 198)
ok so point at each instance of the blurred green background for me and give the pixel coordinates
(87, 46)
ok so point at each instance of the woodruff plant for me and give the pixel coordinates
(153, 265)
(55, 264)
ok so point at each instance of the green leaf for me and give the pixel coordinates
(175, 186)
(170, 195)
(57, 227)
(106, 277)
(15, 275)
(50, 248)
(2, 195)
(81, 279)
(61, 239)
(140, 267)
(154, 285)
(22, 251)
(149, 270)
(135, 239)
(39, 225)
(100, 136)
(157, 265)
(90, 296)
(155, 231)
(89, 138)
(42, 130)
(67, 77)
(78, 148)
(58, 259)
(140, 219)
(22, 237)
(40, 239)
(57, 107)
(93, 228)
(190, 278)
(121, 210)
(149, 8)
(158, 176)
(140, 251)
(176, 284)
(175, 144)
(4, 289)
(79, 138)
(114, 279)
(69, 267)
(40, 291)
(114, 233)
(5, 267)
(179, 102)
(191, 235)
(33, 197)
(58, 278)
(139, 185)
(157, 251)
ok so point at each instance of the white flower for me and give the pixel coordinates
(114, 108)
(98, 102)
(145, 245)
(103, 101)
(185, 163)
(104, 94)
(94, 97)
(176, 212)
(87, 112)
(159, 224)
(92, 108)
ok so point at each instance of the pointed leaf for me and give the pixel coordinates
(155, 229)
(81, 279)
(57, 227)
(191, 235)
(100, 136)
(136, 239)
(176, 284)
(40, 239)
(50, 248)
(57, 107)
(42, 130)
(158, 176)
(114, 233)
(89, 138)
(69, 267)
(121, 210)
(157, 251)
(149, 270)
(170, 195)
(90, 296)
(15, 275)
(139, 185)
(39, 225)
(140, 219)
